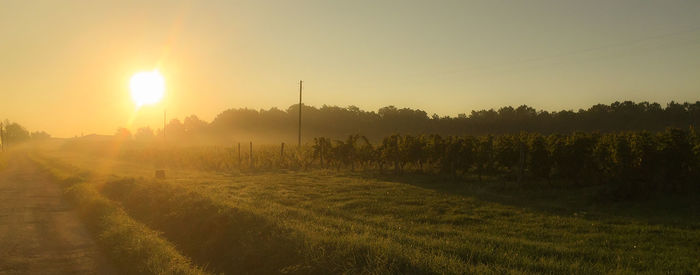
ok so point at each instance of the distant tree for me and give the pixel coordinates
(193, 124)
(14, 133)
(175, 129)
(123, 133)
(339, 122)
(40, 135)
(144, 134)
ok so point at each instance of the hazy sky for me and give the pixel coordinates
(65, 65)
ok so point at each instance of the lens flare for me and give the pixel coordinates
(147, 88)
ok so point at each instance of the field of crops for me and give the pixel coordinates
(324, 220)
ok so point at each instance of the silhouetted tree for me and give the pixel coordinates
(40, 135)
(14, 133)
(123, 133)
(338, 122)
(144, 134)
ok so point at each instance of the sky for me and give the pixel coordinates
(65, 65)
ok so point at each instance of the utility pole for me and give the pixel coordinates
(300, 87)
(163, 125)
(2, 138)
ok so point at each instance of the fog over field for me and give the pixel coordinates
(363, 137)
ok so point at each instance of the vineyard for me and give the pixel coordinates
(349, 137)
(289, 218)
(629, 163)
(528, 203)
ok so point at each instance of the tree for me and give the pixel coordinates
(14, 133)
(123, 134)
(40, 135)
(144, 134)
(193, 124)
(338, 122)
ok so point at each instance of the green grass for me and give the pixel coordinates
(345, 223)
(324, 221)
(133, 247)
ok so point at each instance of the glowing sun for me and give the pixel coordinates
(147, 88)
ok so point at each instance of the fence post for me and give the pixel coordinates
(281, 164)
(251, 156)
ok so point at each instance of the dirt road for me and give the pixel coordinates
(39, 233)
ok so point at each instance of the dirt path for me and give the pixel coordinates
(39, 233)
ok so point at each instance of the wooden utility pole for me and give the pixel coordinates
(250, 156)
(2, 138)
(163, 125)
(300, 87)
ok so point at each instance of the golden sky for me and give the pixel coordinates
(65, 65)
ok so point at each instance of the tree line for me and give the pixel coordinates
(13, 133)
(275, 125)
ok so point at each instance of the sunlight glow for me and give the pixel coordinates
(147, 88)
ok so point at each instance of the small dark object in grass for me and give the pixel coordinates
(160, 174)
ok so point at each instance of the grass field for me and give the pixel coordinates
(327, 221)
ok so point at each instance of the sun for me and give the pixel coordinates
(147, 87)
